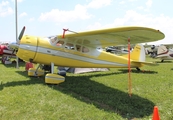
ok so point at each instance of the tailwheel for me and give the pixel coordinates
(54, 78)
(138, 69)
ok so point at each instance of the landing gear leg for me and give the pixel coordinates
(36, 71)
(52, 67)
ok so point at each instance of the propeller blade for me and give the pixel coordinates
(18, 42)
(21, 33)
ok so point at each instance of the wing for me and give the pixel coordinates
(168, 45)
(114, 36)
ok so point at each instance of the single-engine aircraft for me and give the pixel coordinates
(5, 50)
(161, 51)
(164, 53)
(84, 49)
(6, 53)
(120, 49)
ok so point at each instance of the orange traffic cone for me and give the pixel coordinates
(156, 114)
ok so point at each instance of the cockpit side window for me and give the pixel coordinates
(69, 46)
(60, 43)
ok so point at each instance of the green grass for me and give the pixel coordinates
(90, 96)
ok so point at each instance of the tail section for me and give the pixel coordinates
(162, 50)
(138, 53)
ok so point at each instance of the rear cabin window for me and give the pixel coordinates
(78, 48)
(82, 49)
(85, 49)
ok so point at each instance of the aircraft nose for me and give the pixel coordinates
(13, 46)
(27, 48)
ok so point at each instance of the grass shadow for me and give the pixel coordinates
(137, 71)
(166, 61)
(97, 94)
(33, 80)
(104, 97)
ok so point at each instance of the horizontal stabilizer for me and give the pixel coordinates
(146, 63)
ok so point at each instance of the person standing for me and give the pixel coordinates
(29, 65)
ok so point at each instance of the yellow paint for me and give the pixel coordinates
(54, 79)
(31, 72)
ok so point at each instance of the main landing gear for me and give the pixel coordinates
(138, 69)
(50, 77)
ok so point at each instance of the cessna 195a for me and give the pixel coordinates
(84, 49)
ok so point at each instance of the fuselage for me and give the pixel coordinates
(47, 51)
(166, 56)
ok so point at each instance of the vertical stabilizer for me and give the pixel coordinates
(138, 53)
(162, 50)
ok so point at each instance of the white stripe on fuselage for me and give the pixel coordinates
(68, 55)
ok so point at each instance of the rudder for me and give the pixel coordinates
(162, 50)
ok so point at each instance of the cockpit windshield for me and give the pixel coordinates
(53, 39)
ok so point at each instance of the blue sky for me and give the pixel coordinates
(49, 17)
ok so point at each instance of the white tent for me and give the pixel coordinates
(84, 70)
(80, 70)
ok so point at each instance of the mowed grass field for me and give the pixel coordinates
(89, 96)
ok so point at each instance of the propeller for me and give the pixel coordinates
(18, 42)
(15, 46)
(21, 35)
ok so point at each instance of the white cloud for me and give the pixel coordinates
(56, 15)
(31, 19)
(23, 14)
(161, 22)
(4, 3)
(149, 3)
(122, 2)
(99, 3)
(17, 1)
(5, 9)
(79, 12)
(132, 0)
(140, 7)
(133, 18)
(96, 25)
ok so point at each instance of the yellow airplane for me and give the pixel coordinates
(84, 49)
